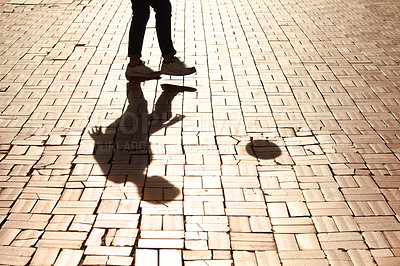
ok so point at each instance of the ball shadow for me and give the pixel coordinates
(263, 149)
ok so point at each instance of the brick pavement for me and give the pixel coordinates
(284, 147)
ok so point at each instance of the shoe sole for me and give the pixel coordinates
(177, 74)
(143, 76)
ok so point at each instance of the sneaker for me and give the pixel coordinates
(141, 71)
(176, 68)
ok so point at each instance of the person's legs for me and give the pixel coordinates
(163, 10)
(171, 64)
(141, 14)
(136, 68)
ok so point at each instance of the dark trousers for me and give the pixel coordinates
(141, 13)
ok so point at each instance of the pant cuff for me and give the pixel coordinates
(135, 56)
(170, 54)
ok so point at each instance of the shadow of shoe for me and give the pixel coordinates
(263, 149)
(176, 88)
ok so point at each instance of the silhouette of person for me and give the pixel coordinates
(127, 139)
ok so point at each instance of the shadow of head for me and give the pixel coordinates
(263, 149)
(159, 190)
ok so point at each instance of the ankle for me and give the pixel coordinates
(168, 59)
(135, 62)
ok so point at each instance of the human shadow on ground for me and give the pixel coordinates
(263, 149)
(126, 144)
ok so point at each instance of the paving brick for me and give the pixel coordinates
(27, 221)
(170, 208)
(329, 208)
(221, 255)
(45, 256)
(330, 241)
(361, 257)
(75, 207)
(345, 223)
(196, 254)
(125, 237)
(259, 224)
(245, 208)
(44, 206)
(60, 222)
(301, 255)
(116, 221)
(8, 235)
(252, 241)
(108, 206)
(128, 206)
(376, 240)
(392, 238)
(69, 256)
(23, 206)
(170, 257)
(297, 209)
(160, 243)
(120, 260)
(151, 222)
(338, 257)
(16, 255)
(292, 225)
(209, 223)
(239, 224)
(381, 253)
(377, 223)
(110, 251)
(95, 237)
(244, 257)
(218, 240)
(267, 257)
(286, 242)
(146, 256)
(307, 241)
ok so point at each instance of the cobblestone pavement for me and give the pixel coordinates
(284, 147)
